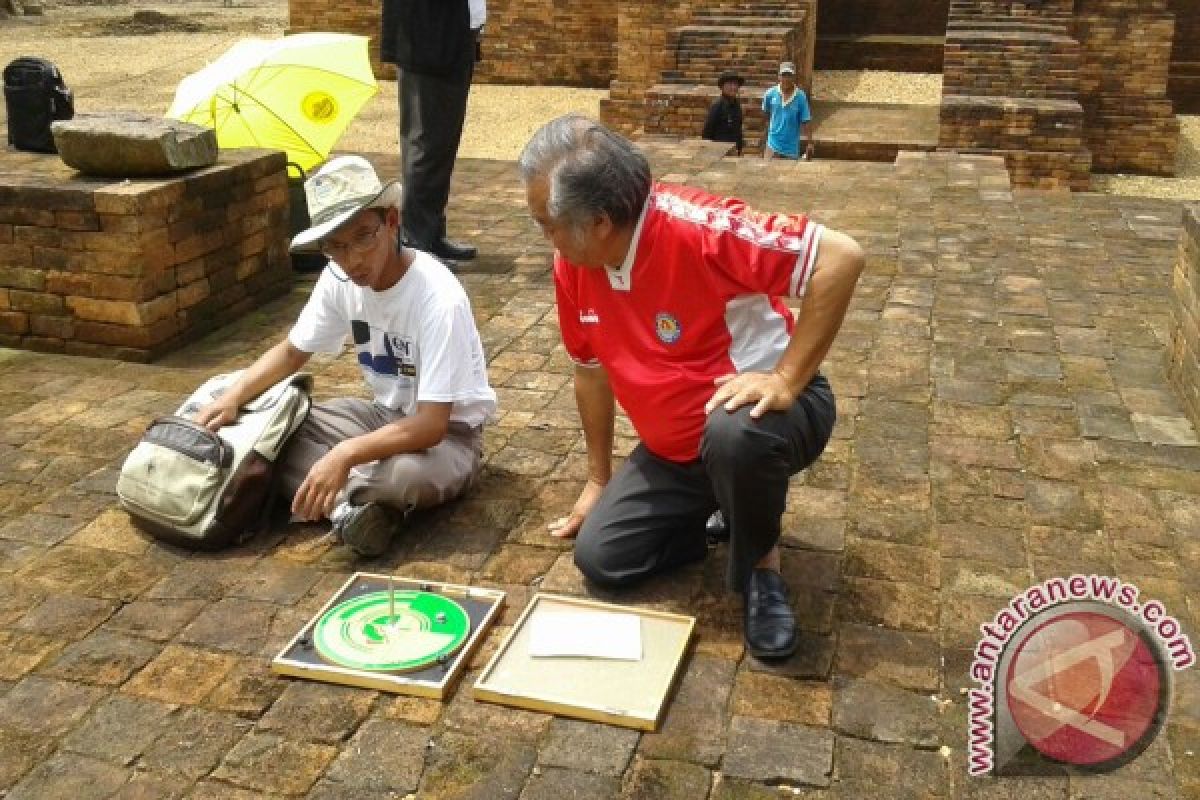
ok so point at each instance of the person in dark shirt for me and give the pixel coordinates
(724, 122)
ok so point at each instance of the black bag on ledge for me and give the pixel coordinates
(35, 96)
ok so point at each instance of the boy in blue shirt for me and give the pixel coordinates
(786, 107)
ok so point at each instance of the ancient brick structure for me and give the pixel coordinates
(881, 34)
(1010, 87)
(1125, 52)
(1059, 87)
(1183, 84)
(133, 269)
(671, 94)
(549, 42)
(1183, 357)
(527, 41)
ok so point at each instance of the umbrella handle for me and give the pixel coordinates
(293, 165)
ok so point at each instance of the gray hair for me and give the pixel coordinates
(591, 170)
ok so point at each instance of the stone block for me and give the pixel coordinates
(126, 145)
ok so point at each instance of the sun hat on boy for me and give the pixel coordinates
(730, 75)
(788, 68)
(336, 192)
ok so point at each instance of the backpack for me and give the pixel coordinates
(35, 96)
(203, 490)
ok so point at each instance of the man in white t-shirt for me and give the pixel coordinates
(366, 463)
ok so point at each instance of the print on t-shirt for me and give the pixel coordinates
(383, 353)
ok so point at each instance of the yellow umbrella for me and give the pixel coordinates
(295, 94)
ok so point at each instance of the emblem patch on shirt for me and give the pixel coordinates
(589, 317)
(667, 328)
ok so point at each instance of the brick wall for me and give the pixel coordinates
(687, 44)
(1125, 54)
(882, 17)
(1183, 357)
(131, 270)
(527, 41)
(1010, 89)
(1184, 82)
(643, 33)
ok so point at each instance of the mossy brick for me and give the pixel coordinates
(25, 278)
(226, 220)
(59, 327)
(13, 323)
(21, 215)
(50, 258)
(253, 244)
(181, 229)
(138, 337)
(128, 223)
(74, 347)
(34, 236)
(105, 263)
(35, 302)
(54, 199)
(198, 244)
(100, 241)
(77, 220)
(209, 181)
(13, 256)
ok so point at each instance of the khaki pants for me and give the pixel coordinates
(405, 482)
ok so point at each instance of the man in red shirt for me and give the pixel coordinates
(669, 303)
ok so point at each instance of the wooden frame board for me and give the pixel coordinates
(300, 659)
(632, 694)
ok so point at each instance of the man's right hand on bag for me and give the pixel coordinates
(217, 414)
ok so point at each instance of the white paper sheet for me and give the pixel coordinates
(589, 634)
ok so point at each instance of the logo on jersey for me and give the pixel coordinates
(589, 317)
(667, 328)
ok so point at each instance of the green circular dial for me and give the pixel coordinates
(361, 633)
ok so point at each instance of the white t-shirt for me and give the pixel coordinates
(416, 342)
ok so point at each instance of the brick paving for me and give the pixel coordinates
(1004, 417)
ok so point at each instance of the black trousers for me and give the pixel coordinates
(432, 112)
(651, 515)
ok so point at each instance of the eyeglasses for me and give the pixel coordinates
(358, 246)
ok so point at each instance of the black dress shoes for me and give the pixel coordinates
(770, 625)
(455, 251)
(716, 530)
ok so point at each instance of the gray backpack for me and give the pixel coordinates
(192, 487)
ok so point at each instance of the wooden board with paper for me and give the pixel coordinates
(590, 660)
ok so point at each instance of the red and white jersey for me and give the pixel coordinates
(699, 296)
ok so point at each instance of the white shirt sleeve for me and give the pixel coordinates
(323, 323)
(478, 13)
(452, 368)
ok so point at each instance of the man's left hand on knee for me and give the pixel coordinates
(767, 390)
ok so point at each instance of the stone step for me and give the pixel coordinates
(891, 52)
(842, 131)
(1183, 87)
(701, 33)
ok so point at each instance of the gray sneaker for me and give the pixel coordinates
(366, 529)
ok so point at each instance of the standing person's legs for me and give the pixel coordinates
(432, 112)
(649, 519)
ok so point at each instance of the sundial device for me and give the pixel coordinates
(393, 634)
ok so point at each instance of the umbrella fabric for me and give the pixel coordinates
(295, 94)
